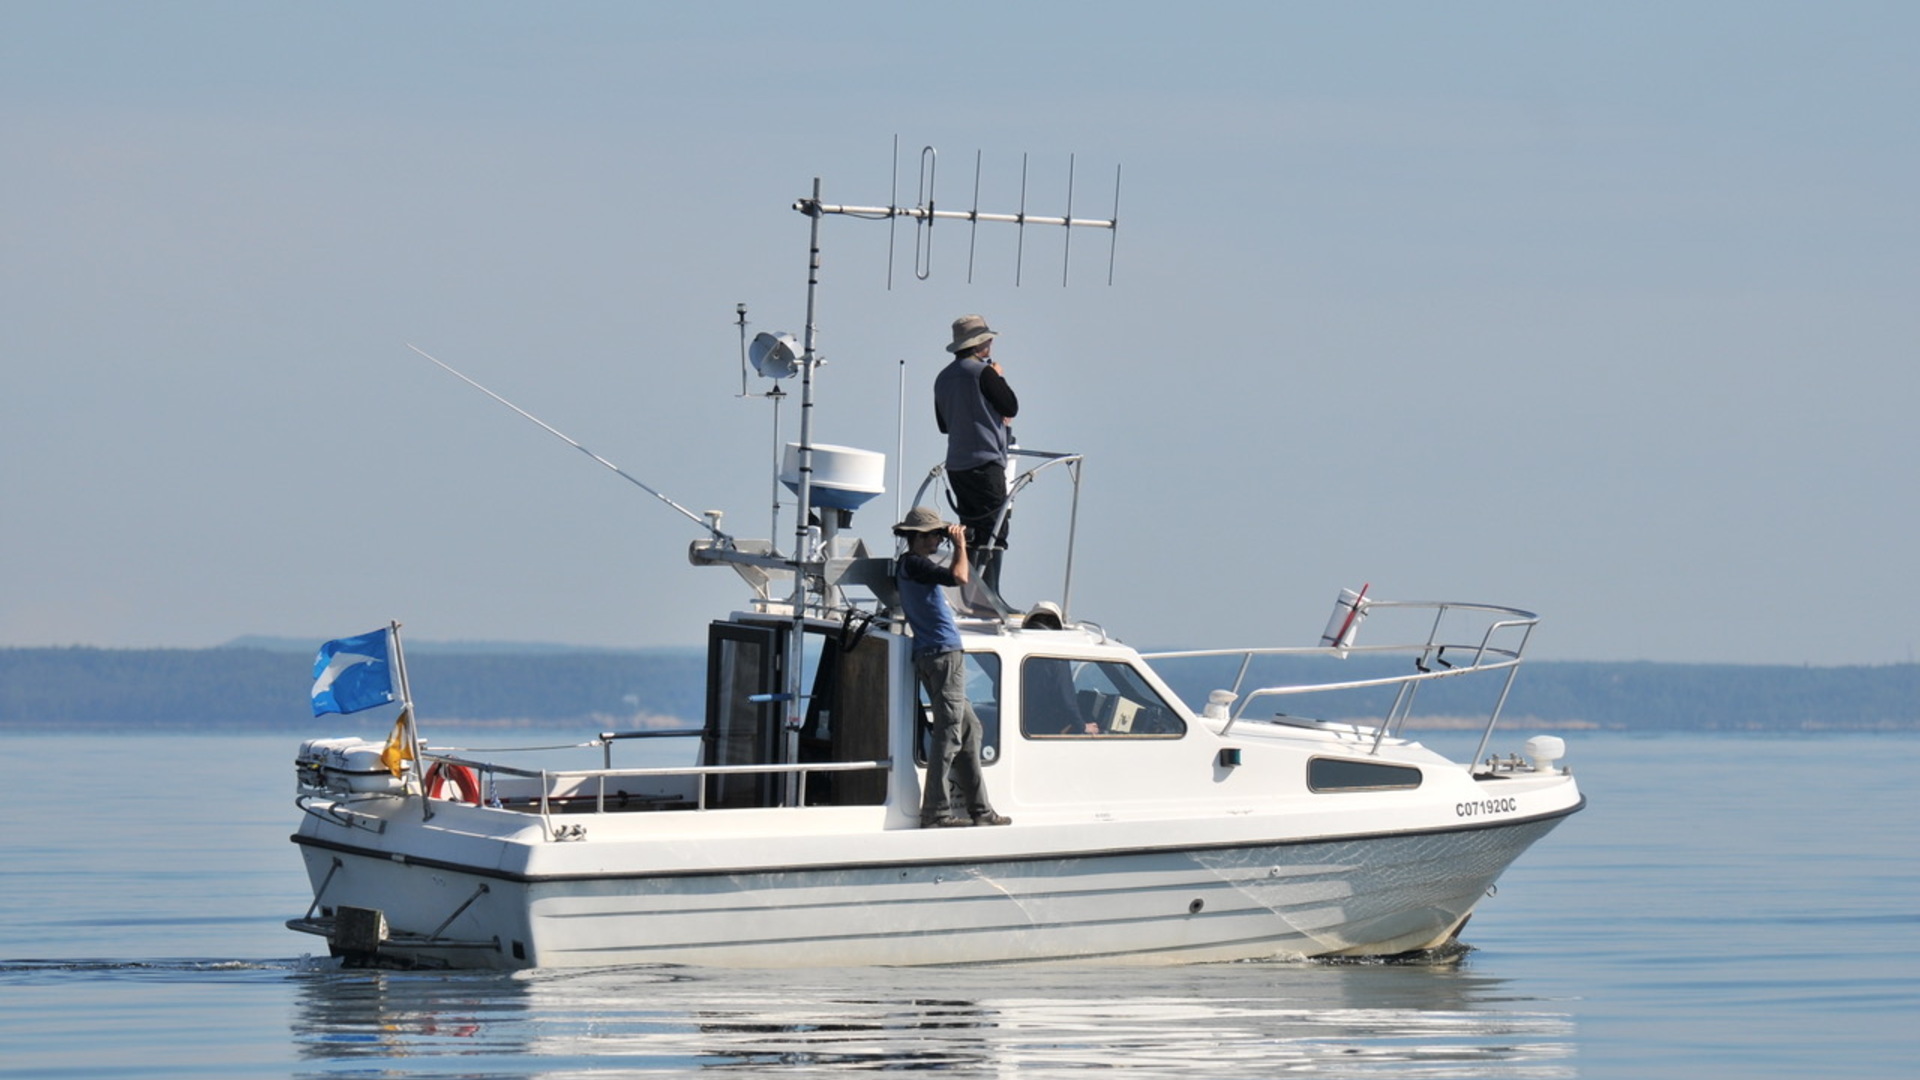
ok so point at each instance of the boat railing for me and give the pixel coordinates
(550, 780)
(1022, 478)
(1501, 646)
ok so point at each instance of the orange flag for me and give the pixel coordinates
(399, 749)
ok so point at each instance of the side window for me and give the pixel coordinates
(1091, 699)
(1334, 774)
(983, 693)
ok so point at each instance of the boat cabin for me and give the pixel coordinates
(1066, 702)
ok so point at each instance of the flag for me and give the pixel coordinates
(352, 674)
(399, 749)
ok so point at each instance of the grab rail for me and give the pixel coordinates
(1047, 459)
(548, 777)
(608, 738)
(1486, 655)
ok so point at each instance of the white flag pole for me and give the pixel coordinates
(406, 713)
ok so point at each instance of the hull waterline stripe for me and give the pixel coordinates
(973, 861)
(1209, 945)
(1211, 914)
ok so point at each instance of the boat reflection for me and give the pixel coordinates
(1215, 1021)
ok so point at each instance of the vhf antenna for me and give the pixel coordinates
(925, 212)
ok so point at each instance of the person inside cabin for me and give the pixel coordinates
(956, 790)
(975, 408)
(1049, 704)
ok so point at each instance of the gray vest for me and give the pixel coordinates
(976, 432)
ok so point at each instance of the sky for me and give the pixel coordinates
(1608, 312)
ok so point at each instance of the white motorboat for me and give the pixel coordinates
(1167, 808)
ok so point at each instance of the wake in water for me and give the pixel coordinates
(30, 968)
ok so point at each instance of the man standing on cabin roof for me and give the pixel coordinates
(956, 793)
(975, 408)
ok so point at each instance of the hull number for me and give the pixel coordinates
(1484, 807)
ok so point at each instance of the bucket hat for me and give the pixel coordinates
(920, 519)
(969, 331)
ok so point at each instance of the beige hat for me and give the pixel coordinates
(920, 520)
(969, 331)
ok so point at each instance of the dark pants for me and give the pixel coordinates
(955, 787)
(978, 495)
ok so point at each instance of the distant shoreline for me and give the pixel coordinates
(263, 683)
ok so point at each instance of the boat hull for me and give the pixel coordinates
(1362, 895)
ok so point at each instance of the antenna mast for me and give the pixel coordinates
(806, 561)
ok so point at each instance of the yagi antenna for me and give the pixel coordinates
(926, 211)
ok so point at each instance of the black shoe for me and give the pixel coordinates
(992, 819)
(951, 822)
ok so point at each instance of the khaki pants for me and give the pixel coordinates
(955, 787)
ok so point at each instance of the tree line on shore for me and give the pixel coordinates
(248, 688)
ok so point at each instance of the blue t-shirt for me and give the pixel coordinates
(920, 580)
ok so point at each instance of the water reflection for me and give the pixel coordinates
(1215, 1021)
(353, 1016)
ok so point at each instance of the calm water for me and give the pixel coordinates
(1725, 907)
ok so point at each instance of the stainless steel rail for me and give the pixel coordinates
(548, 778)
(1493, 651)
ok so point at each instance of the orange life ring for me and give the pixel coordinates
(465, 783)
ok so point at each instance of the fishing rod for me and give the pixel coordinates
(710, 522)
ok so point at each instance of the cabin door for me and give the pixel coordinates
(743, 661)
(847, 719)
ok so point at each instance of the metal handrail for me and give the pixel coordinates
(1021, 481)
(666, 770)
(1486, 656)
(1363, 684)
(548, 777)
(608, 738)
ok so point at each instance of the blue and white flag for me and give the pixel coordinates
(352, 674)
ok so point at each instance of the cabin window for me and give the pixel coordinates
(983, 693)
(1061, 698)
(1338, 774)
